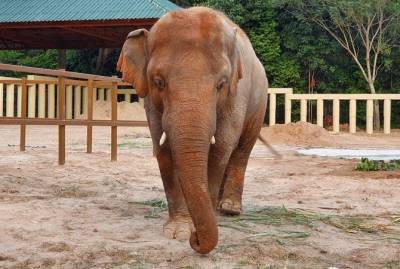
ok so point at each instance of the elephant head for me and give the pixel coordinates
(189, 66)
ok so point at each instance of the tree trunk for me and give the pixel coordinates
(61, 59)
(101, 60)
(377, 116)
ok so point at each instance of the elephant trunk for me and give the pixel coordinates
(190, 143)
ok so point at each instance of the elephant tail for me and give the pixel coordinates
(268, 145)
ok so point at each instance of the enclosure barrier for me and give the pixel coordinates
(67, 96)
(336, 98)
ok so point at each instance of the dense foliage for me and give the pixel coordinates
(290, 47)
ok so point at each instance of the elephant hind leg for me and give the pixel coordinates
(231, 191)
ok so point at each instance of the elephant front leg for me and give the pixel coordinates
(179, 225)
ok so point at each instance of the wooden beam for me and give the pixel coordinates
(91, 33)
(51, 122)
(56, 73)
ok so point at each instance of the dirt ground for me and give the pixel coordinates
(299, 211)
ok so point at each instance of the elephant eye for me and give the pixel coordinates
(159, 83)
(221, 84)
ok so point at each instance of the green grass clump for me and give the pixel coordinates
(157, 206)
(370, 165)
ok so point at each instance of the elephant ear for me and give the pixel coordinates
(237, 73)
(133, 60)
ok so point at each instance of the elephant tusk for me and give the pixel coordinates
(163, 138)
(212, 140)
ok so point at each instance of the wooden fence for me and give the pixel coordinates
(62, 95)
(387, 99)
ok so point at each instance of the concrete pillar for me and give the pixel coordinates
(336, 115)
(353, 116)
(127, 97)
(320, 112)
(1, 99)
(370, 116)
(141, 102)
(85, 100)
(10, 100)
(68, 93)
(288, 109)
(303, 110)
(77, 103)
(31, 101)
(51, 101)
(101, 94)
(108, 91)
(272, 109)
(19, 100)
(387, 111)
(42, 101)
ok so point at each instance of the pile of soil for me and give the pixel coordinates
(126, 111)
(299, 134)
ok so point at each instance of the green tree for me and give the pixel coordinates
(363, 28)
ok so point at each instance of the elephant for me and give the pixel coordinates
(205, 95)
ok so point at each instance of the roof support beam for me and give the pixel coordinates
(91, 33)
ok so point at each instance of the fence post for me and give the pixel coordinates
(370, 116)
(19, 100)
(114, 115)
(128, 97)
(51, 101)
(1, 99)
(42, 101)
(61, 116)
(10, 100)
(387, 115)
(22, 135)
(85, 100)
(353, 116)
(108, 94)
(32, 101)
(336, 115)
(89, 106)
(77, 102)
(303, 110)
(288, 109)
(272, 109)
(69, 101)
(101, 94)
(320, 112)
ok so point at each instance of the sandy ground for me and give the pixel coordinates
(299, 211)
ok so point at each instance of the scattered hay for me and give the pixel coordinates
(56, 247)
(72, 192)
(157, 206)
(283, 217)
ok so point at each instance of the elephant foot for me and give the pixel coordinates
(230, 207)
(179, 228)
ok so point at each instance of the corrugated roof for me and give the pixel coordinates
(15, 11)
